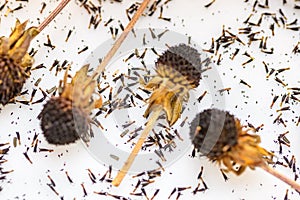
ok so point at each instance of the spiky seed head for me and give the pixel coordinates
(178, 71)
(15, 61)
(61, 122)
(222, 138)
(66, 118)
(206, 128)
(12, 79)
(181, 59)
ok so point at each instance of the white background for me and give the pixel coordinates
(29, 181)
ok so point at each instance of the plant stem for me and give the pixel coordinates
(53, 14)
(282, 177)
(120, 40)
(150, 124)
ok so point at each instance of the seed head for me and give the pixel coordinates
(219, 130)
(15, 62)
(61, 122)
(220, 136)
(178, 70)
(66, 118)
(181, 64)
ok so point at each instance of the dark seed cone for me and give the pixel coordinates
(180, 60)
(218, 130)
(178, 70)
(12, 79)
(219, 136)
(66, 118)
(61, 122)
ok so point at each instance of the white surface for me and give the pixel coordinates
(29, 181)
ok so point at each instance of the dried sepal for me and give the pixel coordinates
(80, 91)
(18, 50)
(4, 47)
(16, 46)
(247, 152)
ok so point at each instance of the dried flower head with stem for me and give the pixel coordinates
(178, 71)
(221, 138)
(65, 119)
(15, 62)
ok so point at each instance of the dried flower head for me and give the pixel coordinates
(65, 118)
(221, 137)
(178, 70)
(15, 62)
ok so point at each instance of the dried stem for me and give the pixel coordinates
(282, 177)
(122, 173)
(120, 40)
(53, 14)
(150, 124)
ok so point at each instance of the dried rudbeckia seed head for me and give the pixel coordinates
(66, 118)
(232, 144)
(61, 122)
(181, 64)
(15, 62)
(217, 129)
(178, 70)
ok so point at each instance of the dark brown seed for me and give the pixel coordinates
(68, 36)
(209, 4)
(49, 43)
(83, 50)
(201, 97)
(51, 180)
(274, 100)
(224, 175)
(52, 188)
(27, 157)
(69, 178)
(200, 173)
(173, 191)
(84, 190)
(244, 83)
